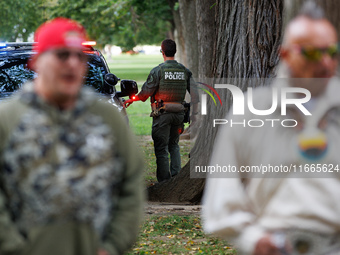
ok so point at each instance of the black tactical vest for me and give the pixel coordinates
(173, 83)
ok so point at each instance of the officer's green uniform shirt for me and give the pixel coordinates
(151, 85)
(71, 181)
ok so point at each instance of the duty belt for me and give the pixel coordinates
(161, 107)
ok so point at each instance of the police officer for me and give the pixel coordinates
(167, 85)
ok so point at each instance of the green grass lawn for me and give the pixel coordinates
(139, 118)
(133, 67)
(175, 234)
(136, 67)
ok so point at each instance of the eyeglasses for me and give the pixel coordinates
(315, 54)
(64, 55)
(160, 51)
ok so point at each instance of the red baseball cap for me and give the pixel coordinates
(58, 33)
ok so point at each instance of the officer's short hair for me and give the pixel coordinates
(169, 47)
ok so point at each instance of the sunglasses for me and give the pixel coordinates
(64, 55)
(315, 54)
(160, 51)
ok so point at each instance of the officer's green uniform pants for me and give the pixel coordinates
(166, 130)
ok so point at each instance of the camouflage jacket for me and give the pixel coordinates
(68, 179)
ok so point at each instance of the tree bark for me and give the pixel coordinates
(248, 36)
(187, 10)
(206, 32)
(237, 39)
(178, 33)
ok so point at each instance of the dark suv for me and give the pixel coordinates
(14, 73)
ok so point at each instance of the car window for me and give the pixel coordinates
(96, 72)
(14, 73)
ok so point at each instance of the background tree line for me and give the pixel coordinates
(125, 23)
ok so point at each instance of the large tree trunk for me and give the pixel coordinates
(241, 42)
(178, 33)
(187, 10)
(248, 36)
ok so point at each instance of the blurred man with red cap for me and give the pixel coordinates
(70, 180)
